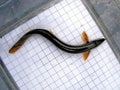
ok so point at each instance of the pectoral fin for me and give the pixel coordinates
(85, 40)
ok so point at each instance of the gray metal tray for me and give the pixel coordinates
(15, 12)
(106, 13)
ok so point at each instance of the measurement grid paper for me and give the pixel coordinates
(40, 65)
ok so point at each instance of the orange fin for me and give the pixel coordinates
(85, 40)
(14, 49)
(85, 55)
(84, 37)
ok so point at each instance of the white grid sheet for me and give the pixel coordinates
(39, 65)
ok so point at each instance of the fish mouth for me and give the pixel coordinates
(99, 41)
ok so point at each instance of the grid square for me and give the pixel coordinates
(73, 81)
(79, 77)
(100, 86)
(105, 83)
(24, 88)
(40, 78)
(88, 79)
(96, 81)
(102, 78)
(46, 75)
(29, 85)
(27, 71)
(53, 86)
(77, 86)
(86, 88)
(37, 73)
(20, 83)
(61, 73)
(38, 87)
(62, 87)
(44, 84)
(84, 74)
(42, 69)
(91, 85)
(82, 83)
(58, 82)
(44, 60)
(67, 84)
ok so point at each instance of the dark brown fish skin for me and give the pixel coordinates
(57, 42)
